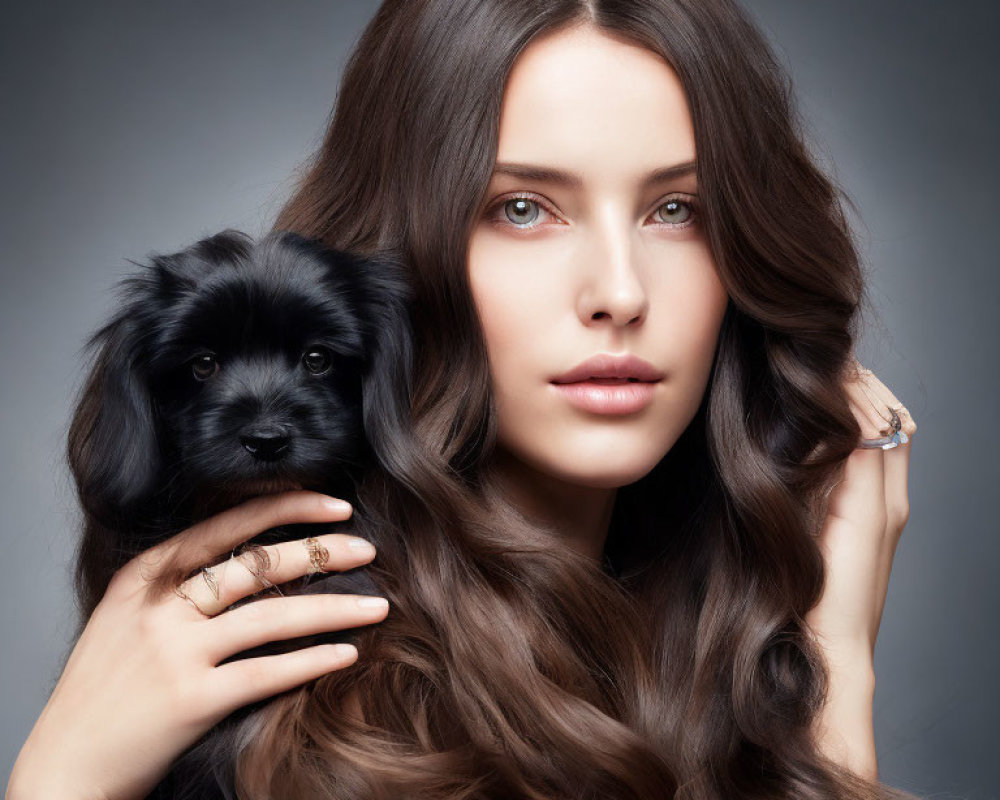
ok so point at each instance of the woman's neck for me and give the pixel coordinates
(582, 514)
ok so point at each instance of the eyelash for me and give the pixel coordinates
(500, 202)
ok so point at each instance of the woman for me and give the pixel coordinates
(656, 590)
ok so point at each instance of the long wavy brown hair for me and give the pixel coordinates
(510, 666)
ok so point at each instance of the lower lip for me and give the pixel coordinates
(608, 398)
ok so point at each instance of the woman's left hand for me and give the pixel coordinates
(866, 514)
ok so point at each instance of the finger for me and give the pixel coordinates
(897, 462)
(872, 417)
(859, 498)
(205, 541)
(246, 573)
(867, 398)
(880, 401)
(279, 618)
(239, 683)
(897, 459)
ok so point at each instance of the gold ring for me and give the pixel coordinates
(262, 563)
(180, 593)
(318, 555)
(213, 584)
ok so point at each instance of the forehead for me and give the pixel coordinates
(581, 100)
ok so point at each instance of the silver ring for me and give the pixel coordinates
(885, 442)
(892, 437)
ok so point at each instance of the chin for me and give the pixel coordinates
(592, 469)
(609, 462)
(609, 478)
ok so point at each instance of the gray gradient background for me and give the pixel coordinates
(130, 130)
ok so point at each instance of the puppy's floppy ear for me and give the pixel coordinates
(113, 449)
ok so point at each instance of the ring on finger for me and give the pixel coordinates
(318, 555)
(208, 574)
(891, 436)
(257, 564)
(894, 423)
(262, 563)
(180, 593)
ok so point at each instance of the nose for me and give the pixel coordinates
(614, 289)
(266, 442)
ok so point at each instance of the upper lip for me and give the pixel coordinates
(606, 365)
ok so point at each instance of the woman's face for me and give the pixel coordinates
(605, 261)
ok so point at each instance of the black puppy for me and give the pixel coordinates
(232, 369)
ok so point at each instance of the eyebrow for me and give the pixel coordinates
(535, 172)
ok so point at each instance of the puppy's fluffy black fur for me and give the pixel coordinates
(230, 369)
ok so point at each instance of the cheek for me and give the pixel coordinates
(517, 303)
(696, 306)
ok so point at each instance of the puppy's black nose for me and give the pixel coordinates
(266, 442)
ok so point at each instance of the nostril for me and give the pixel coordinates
(265, 444)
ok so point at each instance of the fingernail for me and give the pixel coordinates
(336, 505)
(343, 650)
(373, 602)
(360, 544)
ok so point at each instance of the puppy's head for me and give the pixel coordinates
(235, 367)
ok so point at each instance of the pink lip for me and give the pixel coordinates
(608, 397)
(610, 384)
(607, 365)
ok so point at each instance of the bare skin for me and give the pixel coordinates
(156, 666)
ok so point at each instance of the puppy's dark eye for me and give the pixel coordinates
(204, 367)
(317, 360)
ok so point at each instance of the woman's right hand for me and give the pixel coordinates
(141, 684)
